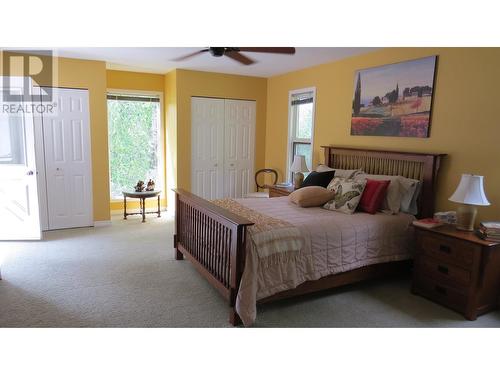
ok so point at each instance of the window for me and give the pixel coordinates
(12, 141)
(135, 147)
(301, 125)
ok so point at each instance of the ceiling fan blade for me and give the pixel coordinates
(190, 55)
(235, 55)
(283, 50)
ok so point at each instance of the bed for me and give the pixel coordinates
(361, 247)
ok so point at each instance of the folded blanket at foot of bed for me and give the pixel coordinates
(276, 240)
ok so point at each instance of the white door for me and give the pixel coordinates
(239, 147)
(40, 163)
(19, 215)
(66, 136)
(207, 147)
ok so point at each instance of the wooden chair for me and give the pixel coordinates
(262, 194)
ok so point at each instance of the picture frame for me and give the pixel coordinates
(394, 100)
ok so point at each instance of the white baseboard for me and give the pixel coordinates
(102, 223)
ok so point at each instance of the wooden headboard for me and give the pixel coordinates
(419, 166)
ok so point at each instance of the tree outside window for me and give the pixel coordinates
(134, 143)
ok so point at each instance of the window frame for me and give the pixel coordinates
(161, 137)
(291, 140)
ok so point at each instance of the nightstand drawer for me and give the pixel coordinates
(440, 292)
(449, 250)
(445, 272)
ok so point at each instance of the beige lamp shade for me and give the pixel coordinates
(470, 190)
(299, 164)
(469, 193)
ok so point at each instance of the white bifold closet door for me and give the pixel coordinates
(222, 147)
(67, 157)
(239, 147)
(207, 147)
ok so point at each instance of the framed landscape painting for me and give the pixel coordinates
(394, 100)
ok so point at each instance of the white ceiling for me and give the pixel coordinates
(159, 59)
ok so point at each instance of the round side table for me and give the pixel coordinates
(142, 196)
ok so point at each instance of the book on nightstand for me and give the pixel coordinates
(283, 184)
(489, 231)
(428, 223)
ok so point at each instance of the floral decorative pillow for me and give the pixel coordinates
(347, 194)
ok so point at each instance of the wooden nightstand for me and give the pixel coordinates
(457, 269)
(279, 191)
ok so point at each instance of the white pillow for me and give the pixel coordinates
(392, 201)
(409, 199)
(344, 173)
(401, 195)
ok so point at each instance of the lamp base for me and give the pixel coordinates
(466, 217)
(298, 178)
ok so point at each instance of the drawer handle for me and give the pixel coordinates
(440, 290)
(443, 269)
(445, 249)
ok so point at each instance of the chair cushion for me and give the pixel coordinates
(311, 196)
(318, 179)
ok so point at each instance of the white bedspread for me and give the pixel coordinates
(334, 242)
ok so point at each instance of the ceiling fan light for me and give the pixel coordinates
(217, 51)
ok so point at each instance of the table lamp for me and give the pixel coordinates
(298, 166)
(469, 193)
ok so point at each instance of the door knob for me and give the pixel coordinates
(30, 173)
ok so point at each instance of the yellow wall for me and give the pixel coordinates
(170, 94)
(132, 81)
(91, 75)
(119, 79)
(464, 120)
(195, 83)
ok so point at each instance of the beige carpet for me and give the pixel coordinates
(125, 276)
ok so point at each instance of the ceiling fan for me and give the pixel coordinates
(234, 53)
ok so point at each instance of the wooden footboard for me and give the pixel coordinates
(213, 239)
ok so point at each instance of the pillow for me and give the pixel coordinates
(346, 173)
(373, 195)
(318, 179)
(392, 201)
(311, 196)
(409, 198)
(347, 194)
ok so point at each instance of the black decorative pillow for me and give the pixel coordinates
(318, 179)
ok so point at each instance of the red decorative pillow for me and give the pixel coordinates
(373, 195)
